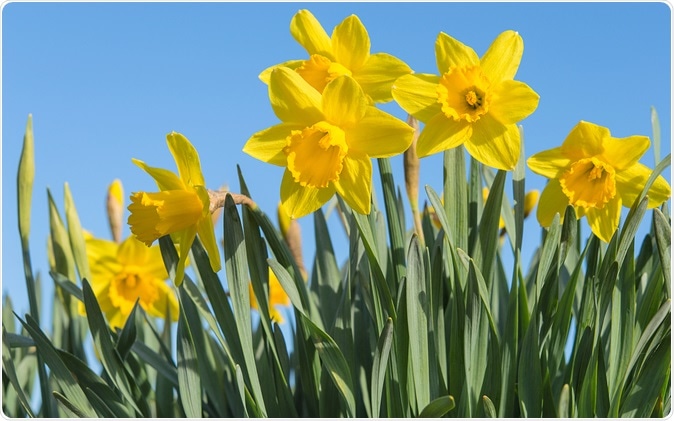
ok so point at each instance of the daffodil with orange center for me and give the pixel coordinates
(598, 174)
(179, 209)
(472, 102)
(277, 298)
(347, 52)
(126, 272)
(325, 141)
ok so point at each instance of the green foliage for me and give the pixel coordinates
(445, 328)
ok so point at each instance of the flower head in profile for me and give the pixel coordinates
(347, 52)
(325, 141)
(473, 102)
(126, 272)
(180, 208)
(277, 298)
(596, 173)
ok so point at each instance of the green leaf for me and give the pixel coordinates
(60, 243)
(438, 407)
(9, 369)
(529, 376)
(189, 381)
(417, 322)
(488, 238)
(237, 278)
(95, 387)
(645, 391)
(335, 363)
(112, 362)
(75, 234)
(164, 368)
(70, 408)
(129, 333)
(381, 356)
(60, 372)
(241, 387)
(394, 226)
(455, 196)
(657, 136)
(663, 237)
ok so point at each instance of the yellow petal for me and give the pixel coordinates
(355, 182)
(206, 233)
(187, 159)
(277, 295)
(185, 239)
(265, 75)
(494, 144)
(154, 264)
(552, 201)
(299, 201)
(132, 252)
(377, 74)
(351, 43)
(502, 59)
(512, 101)
(622, 153)
(306, 29)
(165, 179)
(418, 95)
(442, 133)
(450, 52)
(293, 99)
(344, 102)
(551, 163)
(166, 301)
(631, 181)
(604, 222)
(585, 140)
(267, 145)
(380, 135)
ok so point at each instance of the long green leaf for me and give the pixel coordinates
(189, 381)
(63, 377)
(10, 371)
(237, 278)
(417, 322)
(381, 356)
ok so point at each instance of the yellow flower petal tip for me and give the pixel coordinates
(597, 174)
(473, 102)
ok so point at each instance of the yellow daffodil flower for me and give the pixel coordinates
(123, 273)
(347, 52)
(473, 102)
(181, 208)
(325, 141)
(277, 297)
(597, 174)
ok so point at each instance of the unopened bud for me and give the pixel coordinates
(115, 208)
(530, 201)
(411, 166)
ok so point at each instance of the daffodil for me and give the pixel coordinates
(347, 52)
(180, 208)
(596, 173)
(473, 102)
(325, 141)
(277, 297)
(126, 272)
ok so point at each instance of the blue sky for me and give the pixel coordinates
(106, 82)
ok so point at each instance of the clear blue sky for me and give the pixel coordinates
(106, 82)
